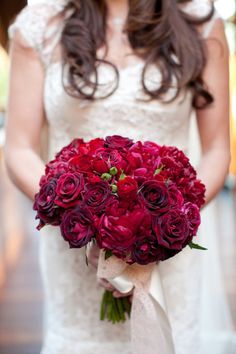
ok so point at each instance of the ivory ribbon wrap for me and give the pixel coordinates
(150, 327)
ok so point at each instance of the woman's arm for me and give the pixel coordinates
(25, 116)
(213, 122)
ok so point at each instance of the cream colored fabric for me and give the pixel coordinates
(72, 297)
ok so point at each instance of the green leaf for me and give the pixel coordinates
(122, 176)
(196, 246)
(108, 254)
(158, 170)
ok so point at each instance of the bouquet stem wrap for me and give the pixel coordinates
(150, 327)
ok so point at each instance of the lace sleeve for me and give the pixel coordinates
(39, 27)
(201, 8)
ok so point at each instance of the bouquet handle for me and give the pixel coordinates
(150, 326)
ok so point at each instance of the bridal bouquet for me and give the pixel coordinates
(137, 201)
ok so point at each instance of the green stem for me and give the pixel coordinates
(114, 309)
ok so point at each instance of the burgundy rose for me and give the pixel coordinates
(176, 198)
(47, 211)
(77, 226)
(118, 142)
(172, 229)
(127, 188)
(145, 249)
(155, 196)
(192, 212)
(96, 196)
(69, 187)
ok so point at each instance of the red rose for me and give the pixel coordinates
(118, 142)
(193, 215)
(97, 195)
(47, 211)
(145, 250)
(99, 165)
(69, 187)
(127, 188)
(70, 150)
(132, 160)
(155, 197)
(151, 146)
(110, 157)
(77, 226)
(55, 168)
(172, 229)
(95, 144)
(91, 178)
(117, 233)
(81, 163)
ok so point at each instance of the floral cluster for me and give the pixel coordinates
(139, 201)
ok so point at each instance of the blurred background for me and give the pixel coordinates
(20, 284)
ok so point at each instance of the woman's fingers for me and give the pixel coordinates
(105, 284)
(117, 293)
(108, 286)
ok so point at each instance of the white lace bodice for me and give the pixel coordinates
(72, 297)
(121, 113)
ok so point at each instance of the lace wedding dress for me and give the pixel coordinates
(72, 296)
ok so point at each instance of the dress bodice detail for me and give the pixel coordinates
(125, 112)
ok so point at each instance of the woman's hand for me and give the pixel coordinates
(93, 256)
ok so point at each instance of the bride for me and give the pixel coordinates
(136, 68)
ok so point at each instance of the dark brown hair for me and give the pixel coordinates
(156, 30)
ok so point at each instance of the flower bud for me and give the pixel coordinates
(114, 188)
(113, 171)
(106, 176)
